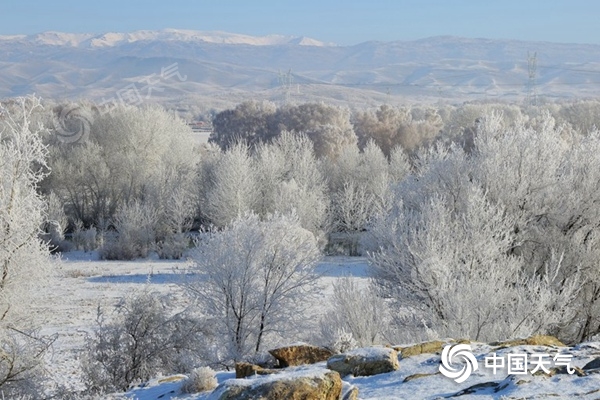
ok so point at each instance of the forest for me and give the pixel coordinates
(478, 220)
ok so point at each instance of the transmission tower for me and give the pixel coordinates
(531, 84)
(286, 80)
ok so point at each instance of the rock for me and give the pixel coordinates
(365, 362)
(538, 340)
(300, 354)
(418, 376)
(307, 384)
(349, 392)
(243, 370)
(487, 388)
(435, 346)
(594, 364)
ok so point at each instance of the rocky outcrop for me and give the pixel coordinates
(303, 384)
(300, 354)
(365, 362)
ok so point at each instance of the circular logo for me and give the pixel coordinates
(73, 123)
(462, 351)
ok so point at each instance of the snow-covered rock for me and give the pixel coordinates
(365, 362)
(311, 383)
(300, 354)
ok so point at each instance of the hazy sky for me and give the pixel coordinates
(341, 22)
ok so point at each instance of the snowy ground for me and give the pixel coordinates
(80, 283)
(481, 385)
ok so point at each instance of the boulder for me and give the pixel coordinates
(349, 392)
(304, 384)
(537, 340)
(365, 362)
(244, 370)
(300, 354)
(435, 346)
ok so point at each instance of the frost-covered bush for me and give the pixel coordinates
(135, 226)
(390, 127)
(358, 313)
(200, 380)
(85, 239)
(142, 339)
(337, 340)
(173, 246)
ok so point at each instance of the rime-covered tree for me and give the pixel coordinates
(250, 122)
(515, 214)
(327, 126)
(289, 180)
(360, 186)
(132, 154)
(254, 277)
(391, 126)
(23, 257)
(230, 186)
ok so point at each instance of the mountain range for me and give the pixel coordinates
(218, 69)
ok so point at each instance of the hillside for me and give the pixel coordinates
(221, 69)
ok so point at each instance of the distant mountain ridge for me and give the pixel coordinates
(111, 39)
(222, 69)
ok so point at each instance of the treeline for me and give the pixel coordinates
(135, 181)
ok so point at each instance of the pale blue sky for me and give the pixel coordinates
(341, 22)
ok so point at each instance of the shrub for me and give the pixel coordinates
(136, 232)
(200, 380)
(143, 340)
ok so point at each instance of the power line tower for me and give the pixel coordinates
(531, 84)
(285, 81)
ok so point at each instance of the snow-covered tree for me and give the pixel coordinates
(250, 122)
(289, 180)
(254, 277)
(327, 126)
(392, 126)
(139, 340)
(360, 186)
(23, 258)
(132, 154)
(511, 221)
(452, 263)
(230, 186)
